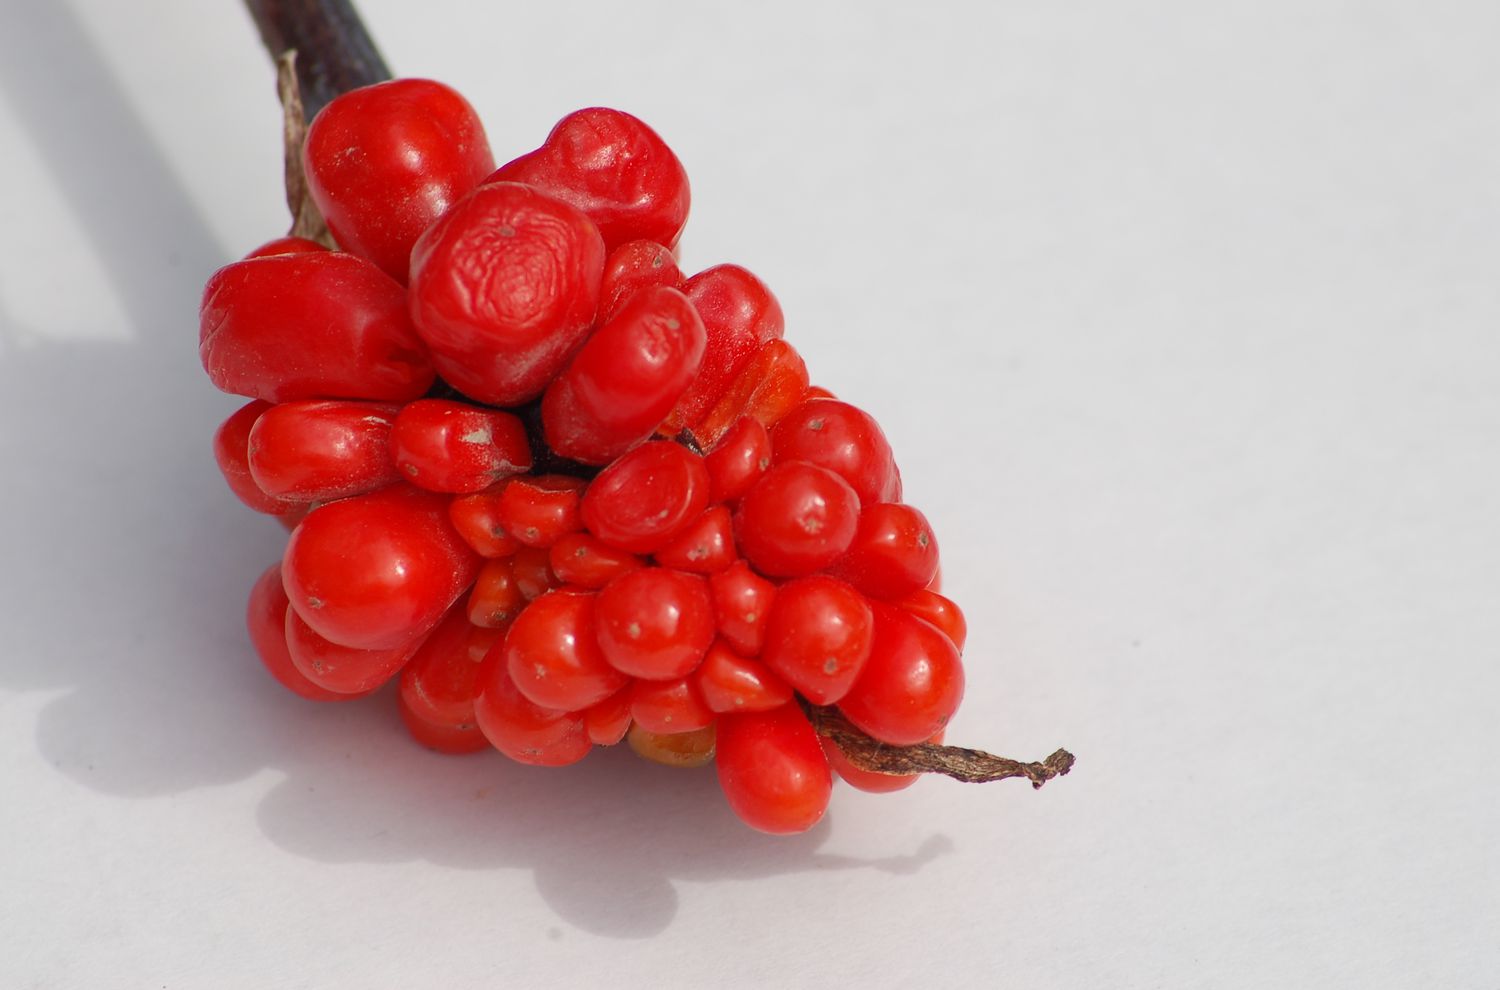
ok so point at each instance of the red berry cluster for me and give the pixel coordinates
(484, 420)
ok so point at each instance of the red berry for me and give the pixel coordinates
(818, 636)
(941, 612)
(552, 656)
(843, 439)
(440, 681)
(615, 169)
(773, 770)
(798, 519)
(496, 598)
(739, 316)
(738, 460)
(533, 570)
(384, 162)
(728, 682)
(315, 450)
(265, 618)
(524, 731)
(770, 383)
(232, 452)
(911, 684)
(341, 668)
(540, 510)
(503, 289)
(447, 446)
(646, 497)
(377, 571)
(705, 546)
(442, 737)
(588, 562)
(668, 707)
(477, 519)
(310, 326)
(893, 554)
(631, 267)
(625, 379)
(607, 722)
(285, 245)
(742, 603)
(655, 623)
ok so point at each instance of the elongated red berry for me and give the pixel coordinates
(265, 618)
(740, 315)
(525, 731)
(503, 289)
(911, 684)
(625, 379)
(377, 571)
(818, 636)
(232, 452)
(539, 510)
(315, 325)
(668, 707)
(845, 440)
(341, 668)
(631, 267)
(552, 656)
(773, 770)
(655, 623)
(384, 162)
(496, 598)
(893, 554)
(607, 722)
(584, 560)
(728, 682)
(614, 168)
(447, 446)
(314, 450)
(941, 612)
(798, 519)
(646, 497)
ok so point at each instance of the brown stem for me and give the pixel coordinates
(972, 766)
(334, 51)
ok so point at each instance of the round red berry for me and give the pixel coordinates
(773, 770)
(798, 519)
(911, 684)
(646, 497)
(553, 657)
(655, 622)
(818, 636)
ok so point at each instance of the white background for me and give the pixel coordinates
(1183, 319)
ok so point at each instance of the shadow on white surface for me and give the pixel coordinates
(137, 562)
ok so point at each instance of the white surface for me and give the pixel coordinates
(1183, 319)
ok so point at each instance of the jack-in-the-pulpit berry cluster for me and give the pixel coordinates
(561, 492)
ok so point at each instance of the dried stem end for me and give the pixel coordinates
(306, 220)
(972, 766)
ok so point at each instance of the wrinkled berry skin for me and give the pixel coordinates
(504, 289)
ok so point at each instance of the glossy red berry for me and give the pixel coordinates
(476, 517)
(384, 162)
(341, 668)
(440, 681)
(740, 315)
(738, 460)
(798, 519)
(232, 452)
(655, 623)
(772, 770)
(941, 612)
(705, 546)
(843, 439)
(442, 737)
(377, 571)
(742, 603)
(631, 267)
(285, 245)
(310, 326)
(447, 446)
(911, 684)
(552, 656)
(315, 450)
(770, 384)
(539, 510)
(607, 722)
(625, 379)
(503, 290)
(893, 554)
(265, 618)
(525, 731)
(496, 598)
(615, 169)
(646, 497)
(668, 707)
(728, 682)
(586, 561)
(818, 636)
(533, 570)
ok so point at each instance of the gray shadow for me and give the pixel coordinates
(129, 563)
